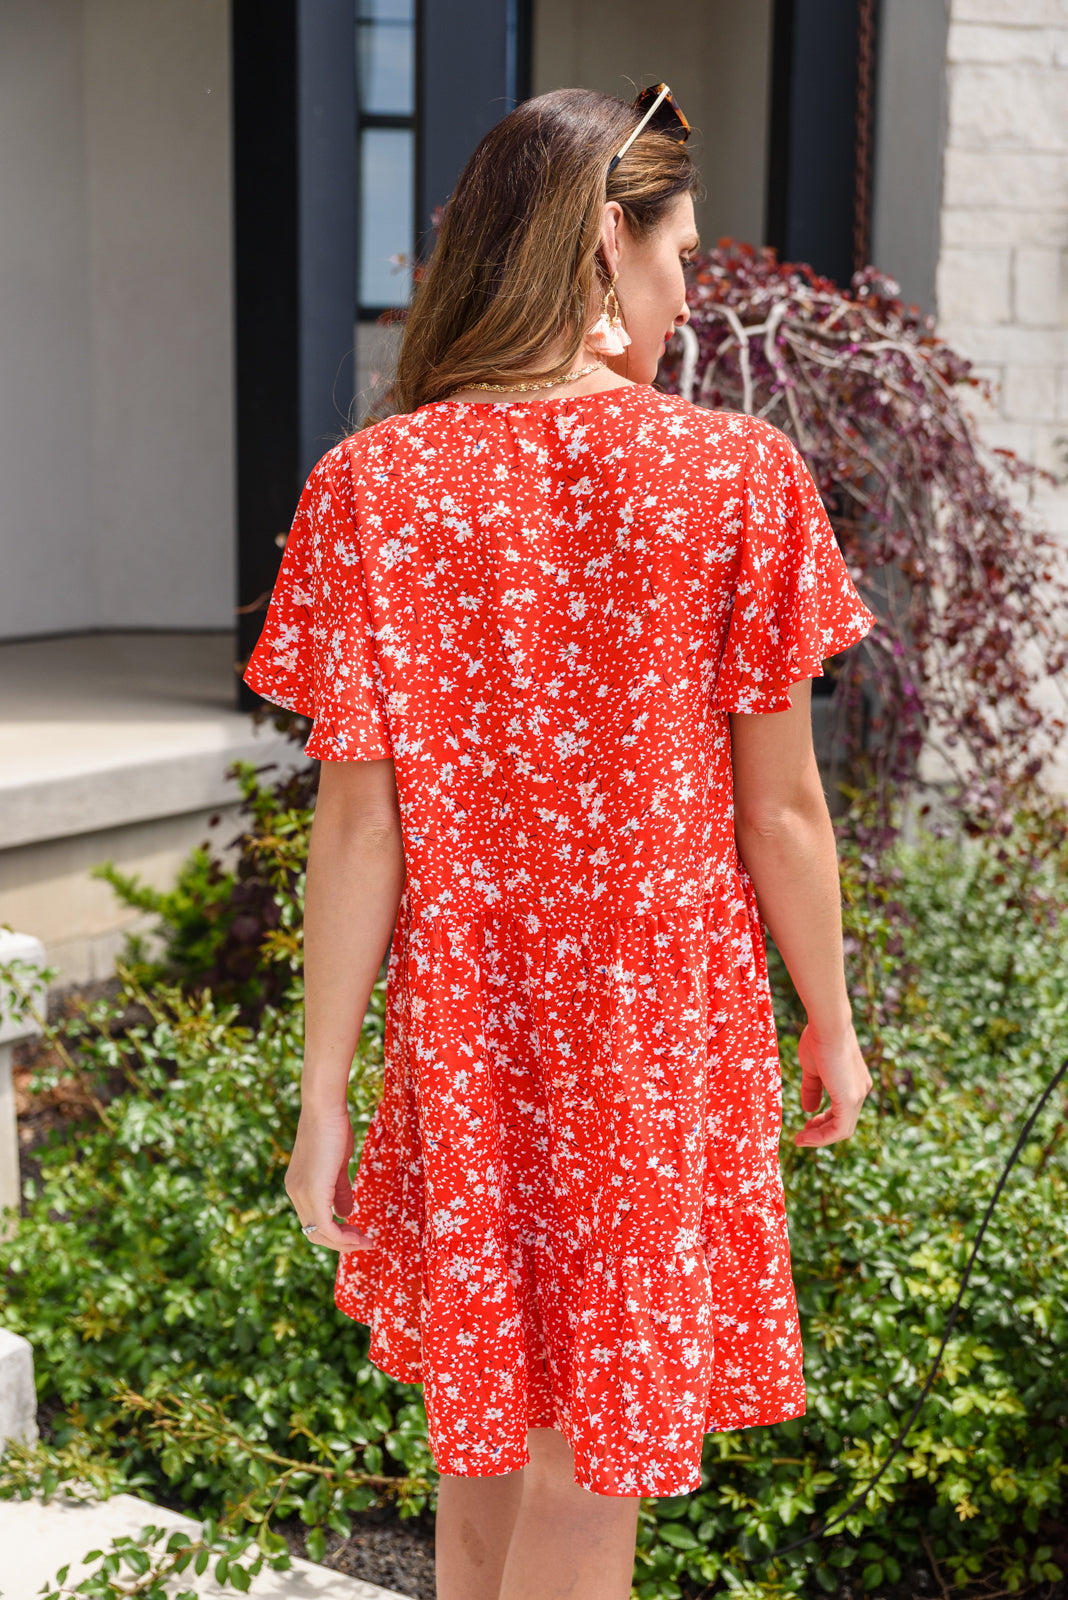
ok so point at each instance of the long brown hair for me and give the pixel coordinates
(516, 266)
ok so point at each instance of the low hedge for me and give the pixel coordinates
(187, 1346)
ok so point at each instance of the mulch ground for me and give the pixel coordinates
(382, 1548)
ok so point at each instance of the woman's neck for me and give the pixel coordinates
(602, 377)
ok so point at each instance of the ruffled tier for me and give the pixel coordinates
(573, 1189)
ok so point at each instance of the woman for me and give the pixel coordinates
(557, 629)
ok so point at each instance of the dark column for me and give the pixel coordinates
(812, 165)
(265, 300)
(818, 199)
(294, 243)
(472, 68)
(326, 138)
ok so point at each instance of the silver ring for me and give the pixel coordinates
(309, 1228)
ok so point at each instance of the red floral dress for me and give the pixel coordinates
(543, 611)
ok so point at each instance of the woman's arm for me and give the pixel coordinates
(786, 840)
(354, 884)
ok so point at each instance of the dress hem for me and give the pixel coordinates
(769, 1417)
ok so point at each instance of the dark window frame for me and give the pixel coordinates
(406, 122)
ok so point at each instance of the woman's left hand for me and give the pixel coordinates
(317, 1178)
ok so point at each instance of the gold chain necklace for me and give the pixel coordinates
(543, 383)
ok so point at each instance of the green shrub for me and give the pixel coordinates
(188, 1347)
(232, 929)
(959, 960)
(184, 1331)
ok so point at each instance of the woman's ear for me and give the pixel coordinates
(612, 224)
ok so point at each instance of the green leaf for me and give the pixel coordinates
(674, 1534)
(316, 1544)
(340, 1522)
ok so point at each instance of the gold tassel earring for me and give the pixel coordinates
(608, 336)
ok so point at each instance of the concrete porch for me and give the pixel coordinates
(113, 746)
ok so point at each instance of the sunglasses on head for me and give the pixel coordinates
(662, 113)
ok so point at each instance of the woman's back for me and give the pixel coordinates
(543, 611)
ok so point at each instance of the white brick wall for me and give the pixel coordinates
(1022, 13)
(1002, 282)
(1040, 288)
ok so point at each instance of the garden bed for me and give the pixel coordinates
(188, 1348)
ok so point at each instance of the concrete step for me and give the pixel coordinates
(38, 1537)
(18, 1393)
(115, 747)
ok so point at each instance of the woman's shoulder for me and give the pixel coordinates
(727, 430)
(770, 457)
(368, 447)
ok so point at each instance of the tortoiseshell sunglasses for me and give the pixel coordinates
(662, 112)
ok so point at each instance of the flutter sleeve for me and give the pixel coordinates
(794, 603)
(316, 653)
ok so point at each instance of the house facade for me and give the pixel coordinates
(212, 205)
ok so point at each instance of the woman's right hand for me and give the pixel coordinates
(837, 1066)
(317, 1178)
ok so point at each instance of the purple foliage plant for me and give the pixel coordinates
(972, 599)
